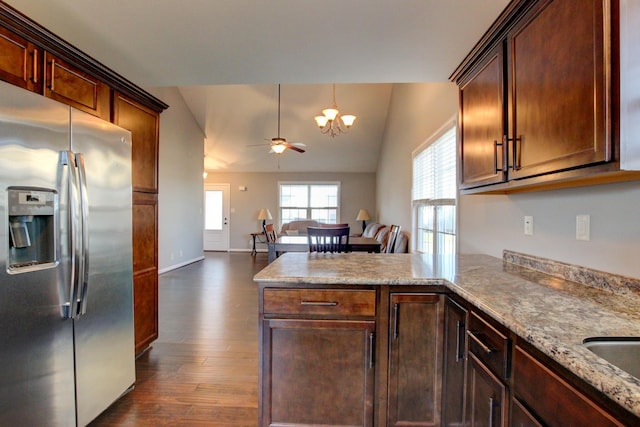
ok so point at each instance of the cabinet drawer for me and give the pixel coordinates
(489, 345)
(320, 302)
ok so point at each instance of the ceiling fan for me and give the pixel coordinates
(278, 144)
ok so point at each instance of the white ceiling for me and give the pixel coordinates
(227, 56)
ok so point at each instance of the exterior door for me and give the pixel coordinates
(216, 217)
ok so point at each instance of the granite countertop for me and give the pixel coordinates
(551, 305)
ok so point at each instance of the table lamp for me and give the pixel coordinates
(363, 216)
(264, 215)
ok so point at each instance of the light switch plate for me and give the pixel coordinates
(583, 225)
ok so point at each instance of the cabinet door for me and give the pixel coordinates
(71, 86)
(559, 103)
(455, 321)
(482, 153)
(145, 269)
(569, 406)
(415, 359)
(317, 372)
(486, 397)
(144, 126)
(19, 61)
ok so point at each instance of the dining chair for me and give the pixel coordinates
(324, 239)
(390, 242)
(270, 233)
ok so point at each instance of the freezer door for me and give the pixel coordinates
(105, 359)
(36, 340)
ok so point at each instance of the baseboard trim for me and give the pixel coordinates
(182, 264)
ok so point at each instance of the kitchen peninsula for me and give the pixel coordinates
(384, 309)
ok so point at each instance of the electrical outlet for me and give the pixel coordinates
(528, 226)
(583, 225)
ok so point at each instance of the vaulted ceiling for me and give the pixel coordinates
(227, 57)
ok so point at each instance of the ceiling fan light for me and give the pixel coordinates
(348, 120)
(330, 113)
(278, 148)
(321, 121)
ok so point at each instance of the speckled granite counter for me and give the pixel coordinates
(554, 310)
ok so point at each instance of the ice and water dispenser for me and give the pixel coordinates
(31, 228)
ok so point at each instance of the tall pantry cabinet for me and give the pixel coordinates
(33, 58)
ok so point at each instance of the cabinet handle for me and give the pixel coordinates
(371, 340)
(34, 77)
(459, 330)
(514, 159)
(485, 348)
(497, 144)
(491, 409)
(53, 73)
(320, 303)
(396, 309)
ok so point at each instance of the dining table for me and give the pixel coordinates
(300, 243)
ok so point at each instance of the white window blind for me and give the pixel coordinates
(434, 169)
(434, 195)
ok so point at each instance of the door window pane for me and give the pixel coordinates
(213, 210)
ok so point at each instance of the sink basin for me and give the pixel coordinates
(623, 352)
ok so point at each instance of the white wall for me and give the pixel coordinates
(357, 191)
(180, 182)
(489, 224)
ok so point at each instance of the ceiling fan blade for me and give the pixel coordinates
(298, 144)
(294, 148)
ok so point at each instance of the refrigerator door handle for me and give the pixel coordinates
(83, 278)
(67, 158)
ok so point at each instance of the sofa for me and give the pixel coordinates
(297, 227)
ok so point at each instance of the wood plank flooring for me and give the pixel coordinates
(203, 369)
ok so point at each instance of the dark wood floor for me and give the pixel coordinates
(203, 369)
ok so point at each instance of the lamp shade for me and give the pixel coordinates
(264, 214)
(363, 215)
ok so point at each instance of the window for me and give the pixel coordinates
(319, 201)
(434, 194)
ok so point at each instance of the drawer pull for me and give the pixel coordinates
(320, 303)
(485, 348)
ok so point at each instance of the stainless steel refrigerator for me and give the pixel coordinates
(66, 293)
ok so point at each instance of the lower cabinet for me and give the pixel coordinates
(350, 357)
(533, 379)
(415, 359)
(486, 396)
(455, 356)
(320, 372)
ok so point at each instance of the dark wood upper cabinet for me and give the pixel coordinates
(71, 86)
(482, 127)
(20, 61)
(539, 100)
(558, 80)
(144, 125)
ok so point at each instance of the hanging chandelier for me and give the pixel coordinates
(331, 122)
